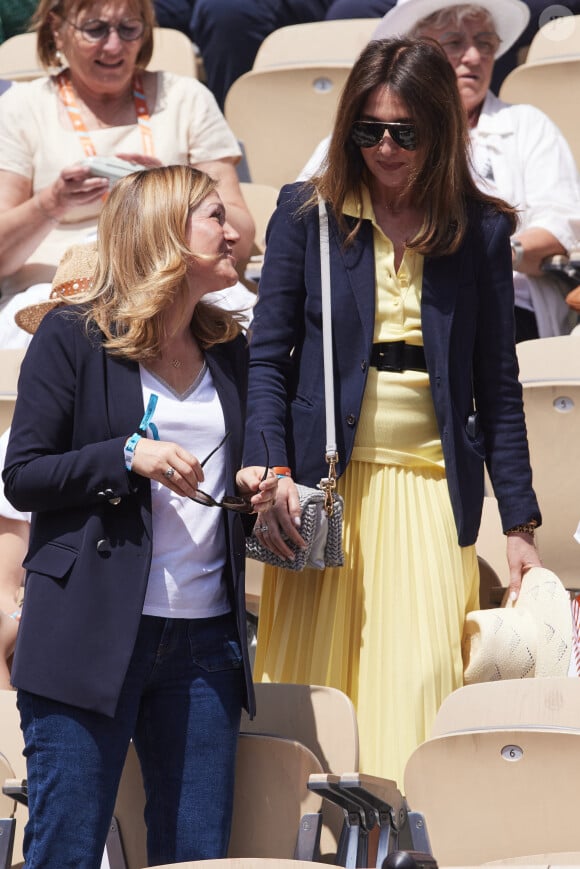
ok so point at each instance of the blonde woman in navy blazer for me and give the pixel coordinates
(422, 399)
(133, 625)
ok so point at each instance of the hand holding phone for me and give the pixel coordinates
(111, 168)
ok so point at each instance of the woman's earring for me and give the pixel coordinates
(59, 57)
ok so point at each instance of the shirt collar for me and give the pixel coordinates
(493, 119)
(351, 207)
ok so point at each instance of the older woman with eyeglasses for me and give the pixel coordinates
(126, 445)
(97, 99)
(518, 153)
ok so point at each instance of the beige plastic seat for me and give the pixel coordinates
(281, 114)
(271, 796)
(491, 590)
(7, 820)
(172, 52)
(245, 863)
(550, 377)
(261, 201)
(12, 766)
(18, 60)
(497, 794)
(549, 703)
(550, 86)
(338, 41)
(321, 718)
(10, 361)
(254, 577)
(558, 38)
(491, 542)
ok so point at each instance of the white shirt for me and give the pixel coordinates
(189, 540)
(533, 169)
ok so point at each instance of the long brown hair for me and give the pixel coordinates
(419, 74)
(43, 22)
(143, 258)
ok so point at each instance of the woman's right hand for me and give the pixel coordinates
(74, 186)
(280, 523)
(168, 463)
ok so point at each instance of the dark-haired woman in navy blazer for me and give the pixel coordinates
(426, 391)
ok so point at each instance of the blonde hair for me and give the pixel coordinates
(143, 260)
(43, 23)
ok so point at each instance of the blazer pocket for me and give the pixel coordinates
(51, 559)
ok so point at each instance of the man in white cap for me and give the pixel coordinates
(518, 153)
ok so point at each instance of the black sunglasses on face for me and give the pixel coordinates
(231, 502)
(367, 134)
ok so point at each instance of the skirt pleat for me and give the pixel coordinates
(386, 628)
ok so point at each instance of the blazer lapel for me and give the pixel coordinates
(358, 261)
(230, 402)
(125, 410)
(441, 280)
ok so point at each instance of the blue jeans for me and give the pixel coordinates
(181, 704)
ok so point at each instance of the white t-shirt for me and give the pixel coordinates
(189, 540)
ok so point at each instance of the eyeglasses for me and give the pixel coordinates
(486, 44)
(367, 134)
(97, 30)
(230, 502)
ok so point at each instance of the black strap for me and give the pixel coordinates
(398, 356)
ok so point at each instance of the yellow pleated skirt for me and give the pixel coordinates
(386, 628)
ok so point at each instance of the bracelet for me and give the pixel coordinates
(282, 472)
(525, 528)
(42, 209)
(129, 449)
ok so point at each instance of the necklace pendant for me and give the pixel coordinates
(176, 363)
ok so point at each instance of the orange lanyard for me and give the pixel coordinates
(68, 97)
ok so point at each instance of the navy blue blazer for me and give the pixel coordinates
(91, 532)
(467, 320)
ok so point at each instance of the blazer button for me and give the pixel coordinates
(351, 419)
(103, 546)
(363, 365)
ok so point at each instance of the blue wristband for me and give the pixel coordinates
(129, 450)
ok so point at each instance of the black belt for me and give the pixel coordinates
(398, 356)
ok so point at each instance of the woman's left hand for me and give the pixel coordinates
(521, 555)
(249, 480)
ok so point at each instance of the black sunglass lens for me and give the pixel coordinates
(404, 135)
(367, 135)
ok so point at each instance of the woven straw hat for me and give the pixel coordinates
(532, 637)
(73, 275)
(509, 16)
